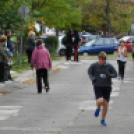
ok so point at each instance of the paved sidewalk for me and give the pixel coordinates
(17, 84)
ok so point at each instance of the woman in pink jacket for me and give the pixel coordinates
(41, 59)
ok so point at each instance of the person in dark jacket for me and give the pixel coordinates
(68, 45)
(9, 42)
(42, 61)
(75, 41)
(10, 49)
(30, 45)
(5, 68)
(101, 74)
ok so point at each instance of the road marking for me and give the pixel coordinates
(90, 105)
(7, 111)
(113, 94)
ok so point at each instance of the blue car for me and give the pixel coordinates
(108, 45)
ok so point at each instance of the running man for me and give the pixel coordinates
(101, 73)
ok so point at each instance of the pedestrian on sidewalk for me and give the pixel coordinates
(30, 45)
(5, 68)
(101, 74)
(75, 40)
(68, 45)
(132, 49)
(122, 55)
(118, 61)
(41, 59)
(10, 47)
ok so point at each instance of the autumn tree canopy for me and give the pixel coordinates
(115, 14)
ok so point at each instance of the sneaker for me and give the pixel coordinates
(47, 89)
(119, 78)
(122, 81)
(97, 111)
(103, 123)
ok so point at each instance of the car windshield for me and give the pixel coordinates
(115, 40)
(124, 38)
(89, 43)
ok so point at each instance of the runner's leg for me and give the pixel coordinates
(105, 109)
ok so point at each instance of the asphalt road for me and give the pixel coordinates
(69, 106)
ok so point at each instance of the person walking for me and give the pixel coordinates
(75, 41)
(122, 55)
(5, 68)
(132, 50)
(30, 45)
(8, 33)
(101, 74)
(10, 47)
(41, 59)
(118, 62)
(68, 39)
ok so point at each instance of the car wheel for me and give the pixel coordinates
(85, 54)
(115, 52)
(62, 52)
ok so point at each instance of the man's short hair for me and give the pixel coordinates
(7, 31)
(39, 42)
(3, 38)
(102, 55)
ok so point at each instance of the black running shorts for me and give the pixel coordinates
(103, 92)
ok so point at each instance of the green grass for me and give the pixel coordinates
(24, 64)
(109, 56)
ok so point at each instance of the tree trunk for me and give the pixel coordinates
(108, 16)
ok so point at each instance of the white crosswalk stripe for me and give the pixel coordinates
(7, 111)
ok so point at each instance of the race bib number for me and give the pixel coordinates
(103, 75)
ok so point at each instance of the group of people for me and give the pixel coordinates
(6, 52)
(71, 41)
(100, 72)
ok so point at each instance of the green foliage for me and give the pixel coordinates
(61, 14)
(52, 43)
(9, 18)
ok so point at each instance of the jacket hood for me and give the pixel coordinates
(40, 47)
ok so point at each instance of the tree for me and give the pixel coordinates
(115, 14)
(61, 14)
(9, 18)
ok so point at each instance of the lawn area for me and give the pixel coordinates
(109, 57)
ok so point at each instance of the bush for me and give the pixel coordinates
(52, 43)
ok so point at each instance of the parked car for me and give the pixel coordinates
(43, 37)
(108, 45)
(120, 37)
(87, 38)
(61, 51)
(128, 42)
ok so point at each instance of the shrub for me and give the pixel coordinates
(52, 43)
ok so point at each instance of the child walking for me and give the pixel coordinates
(101, 74)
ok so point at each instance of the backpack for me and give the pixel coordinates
(64, 40)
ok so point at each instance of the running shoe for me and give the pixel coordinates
(97, 111)
(119, 78)
(103, 123)
(122, 81)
